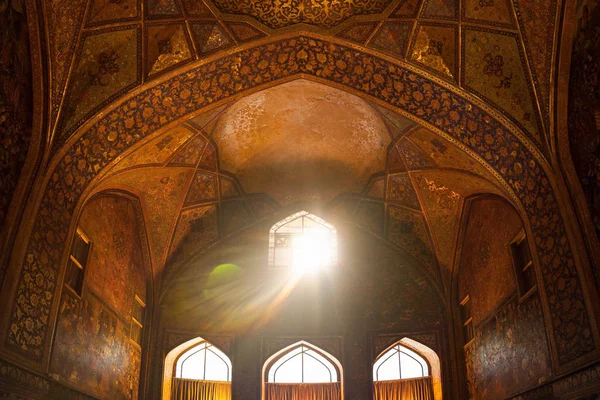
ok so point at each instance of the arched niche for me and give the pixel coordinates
(281, 353)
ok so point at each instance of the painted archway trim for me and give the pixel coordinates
(476, 129)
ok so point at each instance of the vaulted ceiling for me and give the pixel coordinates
(227, 168)
(498, 50)
(217, 172)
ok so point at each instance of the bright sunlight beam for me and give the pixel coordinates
(311, 251)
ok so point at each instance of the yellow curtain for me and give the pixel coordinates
(303, 391)
(405, 389)
(191, 389)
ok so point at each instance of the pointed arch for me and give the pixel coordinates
(292, 236)
(418, 354)
(466, 121)
(326, 361)
(195, 352)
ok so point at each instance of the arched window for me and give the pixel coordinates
(204, 362)
(303, 242)
(407, 370)
(196, 370)
(302, 365)
(302, 371)
(399, 362)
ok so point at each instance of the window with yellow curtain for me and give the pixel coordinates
(401, 374)
(302, 373)
(202, 372)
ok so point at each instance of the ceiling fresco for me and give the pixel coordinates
(464, 68)
(99, 50)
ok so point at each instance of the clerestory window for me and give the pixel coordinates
(302, 242)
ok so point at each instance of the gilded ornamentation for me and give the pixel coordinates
(204, 188)
(210, 37)
(322, 13)
(537, 21)
(167, 46)
(189, 154)
(222, 78)
(435, 48)
(494, 69)
(490, 12)
(401, 191)
(64, 22)
(108, 66)
(413, 157)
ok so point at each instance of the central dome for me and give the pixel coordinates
(302, 140)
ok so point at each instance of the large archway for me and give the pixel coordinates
(460, 118)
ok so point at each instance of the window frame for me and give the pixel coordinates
(271, 363)
(139, 324)
(466, 321)
(398, 346)
(81, 265)
(524, 288)
(291, 218)
(206, 344)
(304, 349)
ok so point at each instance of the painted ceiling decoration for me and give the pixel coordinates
(474, 127)
(321, 13)
(205, 179)
(98, 50)
(122, 72)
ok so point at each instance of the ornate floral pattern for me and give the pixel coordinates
(220, 79)
(323, 13)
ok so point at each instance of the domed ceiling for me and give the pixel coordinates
(301, 141)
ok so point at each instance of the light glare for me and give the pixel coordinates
(311, 252)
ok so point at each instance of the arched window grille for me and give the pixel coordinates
(302, 241)
(302, 364)
(204, 362)
(399, 362)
